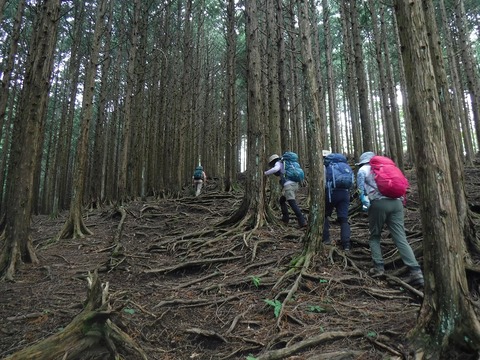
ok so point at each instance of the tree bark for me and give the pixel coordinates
(25, 146)
(468, 60)
(350, 80)
(361, 77)
(251, 213)
(335, 142)
(125, 160)
(315, 130)
(230, 102)
(75, 227)
(447, 321)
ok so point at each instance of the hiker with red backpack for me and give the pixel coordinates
(382, 188)
(287, 168)
(338, 182)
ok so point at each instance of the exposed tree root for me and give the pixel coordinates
(302, 345)
(197, 302)
(193, 263)
(11, 258)
(74, 228)
(90, 332)
(117, 256)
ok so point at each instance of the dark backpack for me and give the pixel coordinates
(389, 178)
(198, 173)
(339, 175)
(293, 171)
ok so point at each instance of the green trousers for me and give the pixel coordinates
(389, 212)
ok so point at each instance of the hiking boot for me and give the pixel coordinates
(285, 220)
(376, 272)
(302, 226)
(416, 278)
(347, 247)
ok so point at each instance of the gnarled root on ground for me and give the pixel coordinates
(91, 333)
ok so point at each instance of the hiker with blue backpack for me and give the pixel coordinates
(338, 182)
(199, 179)
(382, 188)
(287, 168)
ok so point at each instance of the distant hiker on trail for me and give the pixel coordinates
(199, 179)
(291, 174)
(338, 182)
(382, 188)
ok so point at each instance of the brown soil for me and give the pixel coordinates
(188, 290)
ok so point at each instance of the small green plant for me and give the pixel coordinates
(323, 281)
(256, 281)
(129, 311)
(316, 309)
(277, 306)
(250, 357)
(371, 334)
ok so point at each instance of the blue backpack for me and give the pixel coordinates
(293, 171)
(339, 175)
(198, 173)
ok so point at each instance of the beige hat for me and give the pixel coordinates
(273, 158)
(326, 152)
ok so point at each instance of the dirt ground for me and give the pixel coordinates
(186, 289)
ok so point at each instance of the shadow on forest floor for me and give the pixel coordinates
(203, 296)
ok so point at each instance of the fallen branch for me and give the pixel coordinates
(206, 333)
(26, 316)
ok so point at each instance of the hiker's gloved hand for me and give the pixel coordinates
(365, 201)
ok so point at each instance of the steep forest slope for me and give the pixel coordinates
(182, 288)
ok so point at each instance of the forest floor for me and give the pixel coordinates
(187, 289)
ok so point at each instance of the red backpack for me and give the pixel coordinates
(389, 178)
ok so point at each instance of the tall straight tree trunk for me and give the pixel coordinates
(9, 63)
(455, 79)
(74, 226)
(282, 77)
(447, 322)
(273, 125)
(317, 54)
(389, 135)
(315, 133)
(350, 85)
(251, 214)
(4, 88)
(125, 164)
(392, 93)
(230, 102)
(296, 107)
(17, 244)
(335, 143)
(97, 188)
(403, 91)
(450, 123)
(468, 60)
(63, 155)
(361, 77)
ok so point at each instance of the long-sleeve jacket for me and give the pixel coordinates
(279, 170)
(366, 183)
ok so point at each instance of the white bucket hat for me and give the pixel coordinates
(365, 158)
